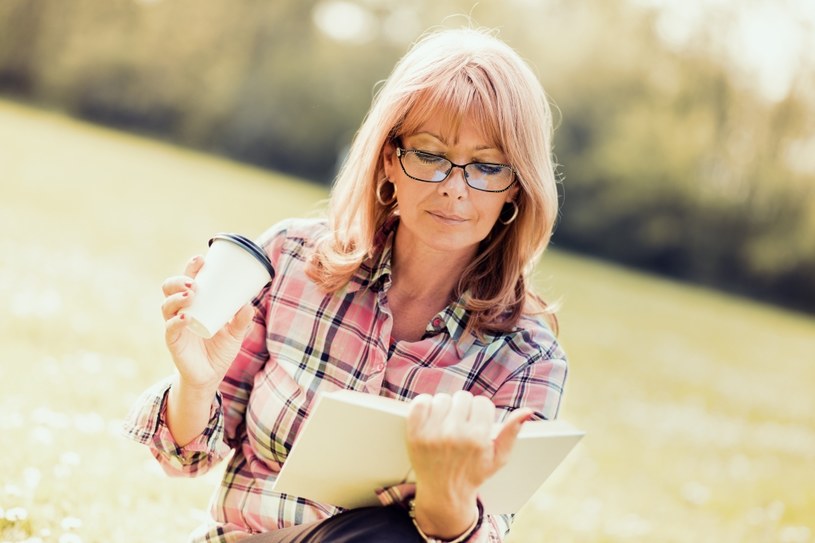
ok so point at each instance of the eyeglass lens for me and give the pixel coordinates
(435, 169)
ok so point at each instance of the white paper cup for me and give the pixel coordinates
(235, 270)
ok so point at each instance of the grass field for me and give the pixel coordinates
(699, 408)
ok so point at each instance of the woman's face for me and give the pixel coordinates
(449, 216)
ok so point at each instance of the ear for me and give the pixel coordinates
(389, 158)
(512, 194)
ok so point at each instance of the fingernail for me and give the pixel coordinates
(186, 293)
(182, 316)
(188, 284)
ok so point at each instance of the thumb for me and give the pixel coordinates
(238, 327)
(505, 440)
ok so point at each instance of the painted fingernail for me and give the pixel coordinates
(188, 284)
(186, 293)
(182, 316)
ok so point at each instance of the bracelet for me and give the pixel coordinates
(460, 539)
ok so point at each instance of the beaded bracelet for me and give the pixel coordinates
(460, 539)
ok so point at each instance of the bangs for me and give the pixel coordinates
(467, 94)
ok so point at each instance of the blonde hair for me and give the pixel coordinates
(454, 73)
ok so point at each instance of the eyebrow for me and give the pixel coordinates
(445, 142)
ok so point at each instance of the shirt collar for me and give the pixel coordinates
(375, 273)
(375, 270)
(455, 317)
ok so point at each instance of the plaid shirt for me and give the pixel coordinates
(304, 342)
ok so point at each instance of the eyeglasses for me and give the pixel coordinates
(431, 168)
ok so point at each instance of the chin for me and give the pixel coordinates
(453, 244)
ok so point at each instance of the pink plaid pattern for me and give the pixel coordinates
(305, 342)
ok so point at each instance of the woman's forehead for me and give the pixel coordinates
(447, 124)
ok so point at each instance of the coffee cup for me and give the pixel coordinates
(235, 270)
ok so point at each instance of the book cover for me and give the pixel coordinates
(353, 443)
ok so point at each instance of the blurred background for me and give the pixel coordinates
(684, 258)
(686, 130)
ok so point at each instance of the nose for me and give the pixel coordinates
(455, 185)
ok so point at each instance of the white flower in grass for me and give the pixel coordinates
(70, 458)
(16, 514)
(794, 534)
(89, 423)
(71, 523)
(32, 477)
(696, 493)
(12, 490)
(42, 435)
(61, 471)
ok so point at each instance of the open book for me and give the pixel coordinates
(353, 443)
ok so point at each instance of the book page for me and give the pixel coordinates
(353, 443)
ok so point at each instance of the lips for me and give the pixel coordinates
(448, 218)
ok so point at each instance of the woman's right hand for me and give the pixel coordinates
(201, 363)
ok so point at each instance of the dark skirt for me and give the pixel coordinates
(390, 524)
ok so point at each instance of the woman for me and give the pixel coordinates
(414, 288)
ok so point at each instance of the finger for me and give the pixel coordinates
(194, 266)
(460, 407)
(177, 283)
(482, 410)
(240, 324)
(481, 420)
(173, 328)
(439, 409)
(508, 433)
(176, 302)
(418, 413)
(420, 407)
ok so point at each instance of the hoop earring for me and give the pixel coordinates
(512, 218)
(379, 198)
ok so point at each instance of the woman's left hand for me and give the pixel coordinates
(451, 446)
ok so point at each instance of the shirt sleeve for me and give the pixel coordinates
(538, 383)
(239, 380)
(146, 424)
(539, 372)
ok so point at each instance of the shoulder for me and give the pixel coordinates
(304, 230)
(530, 340)
(530, 345)
(534, 336)
(523, 367)
(292, 237)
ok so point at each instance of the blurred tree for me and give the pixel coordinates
(670, 161)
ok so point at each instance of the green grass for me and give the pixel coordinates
(699, 407)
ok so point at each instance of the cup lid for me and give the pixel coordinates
(251, 247)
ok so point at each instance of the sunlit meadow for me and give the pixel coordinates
(699, 408)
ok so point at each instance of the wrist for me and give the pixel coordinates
(444, 518)
(193, 393)
(446, 535)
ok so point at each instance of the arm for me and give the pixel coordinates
(191, 420)
(201, 364)
(535, 387)
(227, 362)
(453, 453)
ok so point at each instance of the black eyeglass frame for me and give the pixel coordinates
(400, 152)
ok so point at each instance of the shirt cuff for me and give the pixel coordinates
(146, 424)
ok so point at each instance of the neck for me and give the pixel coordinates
(422, 273)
